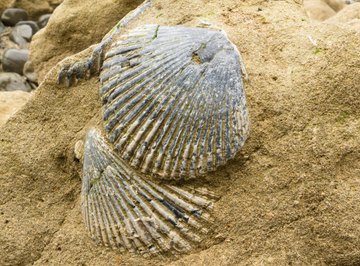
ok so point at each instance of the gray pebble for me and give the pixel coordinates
(11, 16)
(2, 27)
(21, 34)
(32, 24)
(14, 59)
(29, 72)
(13, 82)
(43, 20)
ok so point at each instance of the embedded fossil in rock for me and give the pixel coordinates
(173, 108)
(173, 100)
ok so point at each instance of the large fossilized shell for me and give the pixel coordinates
(173, 99)
(123, 210)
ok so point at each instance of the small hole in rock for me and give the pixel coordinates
(196, 59)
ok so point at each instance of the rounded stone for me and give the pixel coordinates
(31, 23)
(43, 20)
(13, 82)
(11, 16)
(21, 34)
(29, 72)
(14, 60)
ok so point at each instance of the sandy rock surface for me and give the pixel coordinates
(321, 10)
(318, 9)
(10, 103)
(89, 21)
(291, 197)
(350, 15)
(35, 8)
(4, 4)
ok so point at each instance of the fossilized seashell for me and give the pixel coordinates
(123, 210)
(173, 99)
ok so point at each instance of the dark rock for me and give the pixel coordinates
(21, 34)
(32, 24)
(12, 82)
(43, 20)
(29, 72)
(14, 59)
(2, 27)
(11, 16)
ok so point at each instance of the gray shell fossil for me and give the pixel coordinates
(173, 100)
(123, 210)
(174, 107)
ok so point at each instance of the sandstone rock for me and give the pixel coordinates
(348, 17)
(11, 16)
(35, 8)
(4, 4)
(13, 81)
(78, 18)
(336, 5)
(10, 103)
(291, 197)
(318, 10)
(349, 13)
(14, 59)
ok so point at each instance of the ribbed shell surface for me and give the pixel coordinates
(173, 100)
(124, 210)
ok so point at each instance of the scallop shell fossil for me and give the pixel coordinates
(122, 209)
(174, 108)
(173, 100)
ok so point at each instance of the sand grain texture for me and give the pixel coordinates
(291, 197)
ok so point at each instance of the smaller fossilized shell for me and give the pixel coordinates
(173, 99)
(123, 210)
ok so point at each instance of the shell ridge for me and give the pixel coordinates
(128, 104)
(161, 114)
(151, 107)
(168, 139)
(110, 212)
(128, 212)
(177, 143)
(120, 218)
(210, 124)
(104, 218)
(136, 89)
(130, 224)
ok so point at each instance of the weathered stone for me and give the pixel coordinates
(29, 72)
(11, 16)
(2, 27)
(12, 82)
(318, 10)
(21, 34)
(14, 59)
(4, 4)
(31, 23)
(43, 20)
(75, 17)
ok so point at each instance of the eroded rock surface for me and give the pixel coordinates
(75, 25)
(10, 103)
(290, 197)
